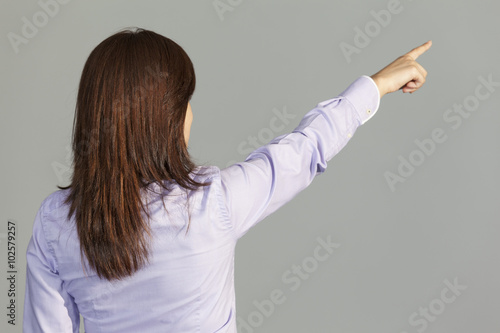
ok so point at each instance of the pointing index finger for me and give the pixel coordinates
(418, 51)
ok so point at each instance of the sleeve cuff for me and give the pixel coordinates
(364, 95)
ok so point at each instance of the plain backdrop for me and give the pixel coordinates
(399, 247)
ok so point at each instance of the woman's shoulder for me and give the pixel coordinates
(204, 173)
(53, 207)
(54, 200)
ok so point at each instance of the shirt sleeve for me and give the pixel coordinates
(47, 306)
(275, 173)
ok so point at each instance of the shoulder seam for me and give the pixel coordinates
(220, 199)
(49, 245)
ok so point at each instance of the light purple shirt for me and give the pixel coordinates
(189, 284)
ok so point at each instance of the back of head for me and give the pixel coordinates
(128, 132)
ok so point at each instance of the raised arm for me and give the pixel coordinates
(276, 172)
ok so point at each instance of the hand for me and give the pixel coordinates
(403, 73)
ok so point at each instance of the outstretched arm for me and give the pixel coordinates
(276, 172)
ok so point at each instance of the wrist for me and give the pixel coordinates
(378, 82)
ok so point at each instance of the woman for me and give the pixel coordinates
(142, 240)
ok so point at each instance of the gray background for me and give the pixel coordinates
(397, 247)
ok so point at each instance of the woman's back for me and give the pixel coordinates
(187, 285)
(186, 281)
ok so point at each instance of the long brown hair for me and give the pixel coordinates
(128, 132)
